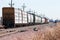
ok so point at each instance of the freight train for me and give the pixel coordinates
(13, 17)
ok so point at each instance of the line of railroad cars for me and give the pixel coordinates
(28, 18)
(17, 18)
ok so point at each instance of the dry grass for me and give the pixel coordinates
(49, 33)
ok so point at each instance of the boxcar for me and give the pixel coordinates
(30, 18)
(37, 19)
(8, 17)
(20, 18)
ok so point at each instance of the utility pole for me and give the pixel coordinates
(34, 17)
(34, 12)
(11, 4)
(18, 16)
(41, 18)
(23, 6)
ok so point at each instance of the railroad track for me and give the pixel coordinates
(5, 32)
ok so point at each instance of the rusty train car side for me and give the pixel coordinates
(8, 17)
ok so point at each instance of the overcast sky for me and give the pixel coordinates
(49, 8)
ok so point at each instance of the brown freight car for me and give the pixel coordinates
(46, 20)
(8, 17)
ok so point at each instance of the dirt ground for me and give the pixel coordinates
(49, 31)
